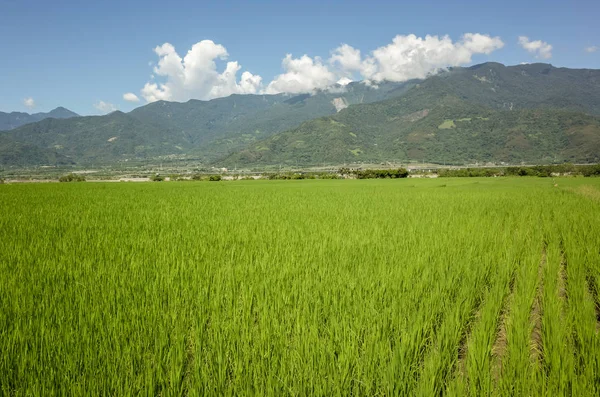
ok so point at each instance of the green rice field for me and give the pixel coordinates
(419, 287)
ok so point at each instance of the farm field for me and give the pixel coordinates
(460, 286)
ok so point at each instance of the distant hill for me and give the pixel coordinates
(26, 154)
(99, 139)
(205, 130)
(8, 121)
(488, 112)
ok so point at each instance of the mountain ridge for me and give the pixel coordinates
(495, 113)
(390, 121)
(12, 120)
(203, 130)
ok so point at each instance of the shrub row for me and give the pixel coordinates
(72, 178)
(537, 170)
(376, 174)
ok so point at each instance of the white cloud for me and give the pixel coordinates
(346, 58)
(196, 75)
(344, 81)
(131, 97)
(591, 49)
(539, 48)
(407, 57)
(29, 102)
(411, 57)
(105, 107)
(302, 74)
(478, 43)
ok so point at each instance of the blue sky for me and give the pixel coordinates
(63, 53)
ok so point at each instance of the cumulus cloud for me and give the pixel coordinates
(105, 107)
(407, 57)
(346, 58)
(196, 75)
(411, 57)
(344, 81)
(591, 49)
(131, 97)
(303, 74)
(29, 102)
(539, 48)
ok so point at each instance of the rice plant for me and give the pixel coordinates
(308, 287)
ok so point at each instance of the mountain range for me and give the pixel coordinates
(484, 113)
(8, 121)
(199, 130)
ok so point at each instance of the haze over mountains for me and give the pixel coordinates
(487, 112)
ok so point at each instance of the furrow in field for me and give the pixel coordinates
(500, 346)
(471, 366)
(554, 372)
(536, 352)
(439, 363)
(593, 291)
(583, 316)
(463, 347)
(188, 365)
(563, 279)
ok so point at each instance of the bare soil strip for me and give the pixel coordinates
(593, 290)
(461, 364)
(500, 346)
(562, 278)
(188, 365)
(563, 281)
(535, 347)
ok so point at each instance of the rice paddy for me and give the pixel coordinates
(313, 287)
